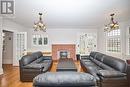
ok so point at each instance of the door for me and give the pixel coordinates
(20, 46)
(7, 53)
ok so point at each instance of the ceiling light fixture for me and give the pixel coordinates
(39, 26)
(113, 25)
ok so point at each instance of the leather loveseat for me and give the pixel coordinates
(33, 65)
(109, 71)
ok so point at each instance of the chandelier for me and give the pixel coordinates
(113, 25)
(39, 26)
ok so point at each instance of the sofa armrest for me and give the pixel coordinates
(110, 73)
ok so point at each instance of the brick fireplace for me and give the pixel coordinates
(57, 48)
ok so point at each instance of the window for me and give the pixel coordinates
(34, 40)
(39, 40)
(113, 43)
(45, 40)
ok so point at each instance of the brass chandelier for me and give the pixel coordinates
(113, 25)
(39, 26)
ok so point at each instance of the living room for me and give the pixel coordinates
(64, 29)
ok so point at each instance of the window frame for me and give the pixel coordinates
(113, 37)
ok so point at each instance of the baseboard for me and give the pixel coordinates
(7, 61)
(15, 64)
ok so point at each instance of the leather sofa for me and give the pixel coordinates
(64, 79)
(33, 65)
(128, 73)
(108, 71)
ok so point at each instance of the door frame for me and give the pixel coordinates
(15, 63)
(6, 29)
(3, 44)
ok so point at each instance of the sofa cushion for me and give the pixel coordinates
(93, 70)
(106, 67)
(37, 54)
(92, 54)
(35, 66)
(102, 65)
(46, 57)
(41, 64)
(89, 63)
(46, 61)
(27, 59)
(91, 58)
(42, 59)
(99, 56)
(96, 62)
(115, 63)
(38, 60)
(110, 73)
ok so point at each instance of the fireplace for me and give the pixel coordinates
(63, 51)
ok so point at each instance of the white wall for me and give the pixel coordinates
(8, 25)
(12, 26)
(102, 41)
(57, 36)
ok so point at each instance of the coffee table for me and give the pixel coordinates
(66, 65)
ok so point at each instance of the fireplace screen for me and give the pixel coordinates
(63, 54)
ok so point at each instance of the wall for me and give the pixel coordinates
(8, 25)
(102, 41)
(12, 26)
(57, 36)
(8, 47)
(125, 41)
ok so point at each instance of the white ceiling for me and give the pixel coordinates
(70, 13)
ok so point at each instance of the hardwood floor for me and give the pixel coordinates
(10, 78)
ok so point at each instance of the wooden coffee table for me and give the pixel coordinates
(66, 65)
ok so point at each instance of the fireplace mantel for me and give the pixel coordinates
(68, 47)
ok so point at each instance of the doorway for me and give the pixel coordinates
(7, 52)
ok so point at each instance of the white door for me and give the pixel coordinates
(20, 46)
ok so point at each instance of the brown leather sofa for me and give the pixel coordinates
(109, 71)
(33, 65)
